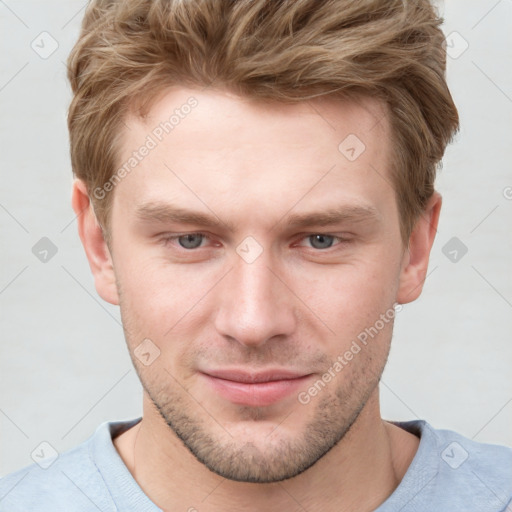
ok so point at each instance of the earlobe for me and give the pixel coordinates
(416, 257)
(93, 240)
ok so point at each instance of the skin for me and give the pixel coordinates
(298, 306)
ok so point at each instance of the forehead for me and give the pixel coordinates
(257, 118)
(211, 148)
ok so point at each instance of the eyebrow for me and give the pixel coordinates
(332, 216)
(166, 213)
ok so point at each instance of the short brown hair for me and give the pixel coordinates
(130, 51)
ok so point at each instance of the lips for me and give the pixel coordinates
(257, 389)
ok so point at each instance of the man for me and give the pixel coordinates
(255, 190)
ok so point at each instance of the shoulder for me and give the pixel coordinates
(461, 455)
(458, 473)
(72, 478)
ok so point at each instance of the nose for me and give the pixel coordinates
(254, 305)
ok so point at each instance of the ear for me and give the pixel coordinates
(94, 243)
(415, 259)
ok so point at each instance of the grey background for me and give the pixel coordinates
(64, 367)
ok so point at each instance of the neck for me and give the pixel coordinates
(374, 455)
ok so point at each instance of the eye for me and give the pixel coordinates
(320, 241)
(187, 241)
(191, 240)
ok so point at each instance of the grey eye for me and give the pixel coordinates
(321, 241)
(190, 241)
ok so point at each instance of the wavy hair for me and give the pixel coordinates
(130, 51)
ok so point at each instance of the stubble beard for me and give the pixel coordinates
(282, 457)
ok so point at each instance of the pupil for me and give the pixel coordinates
(324, 241)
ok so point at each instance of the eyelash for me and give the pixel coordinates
(167, 239)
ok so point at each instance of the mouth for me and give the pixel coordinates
(256, 389)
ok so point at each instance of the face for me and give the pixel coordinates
(253, 246)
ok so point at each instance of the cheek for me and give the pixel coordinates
(155, 305)
(349, 297)
(158, 299)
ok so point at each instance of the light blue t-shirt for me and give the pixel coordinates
(449, 473)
